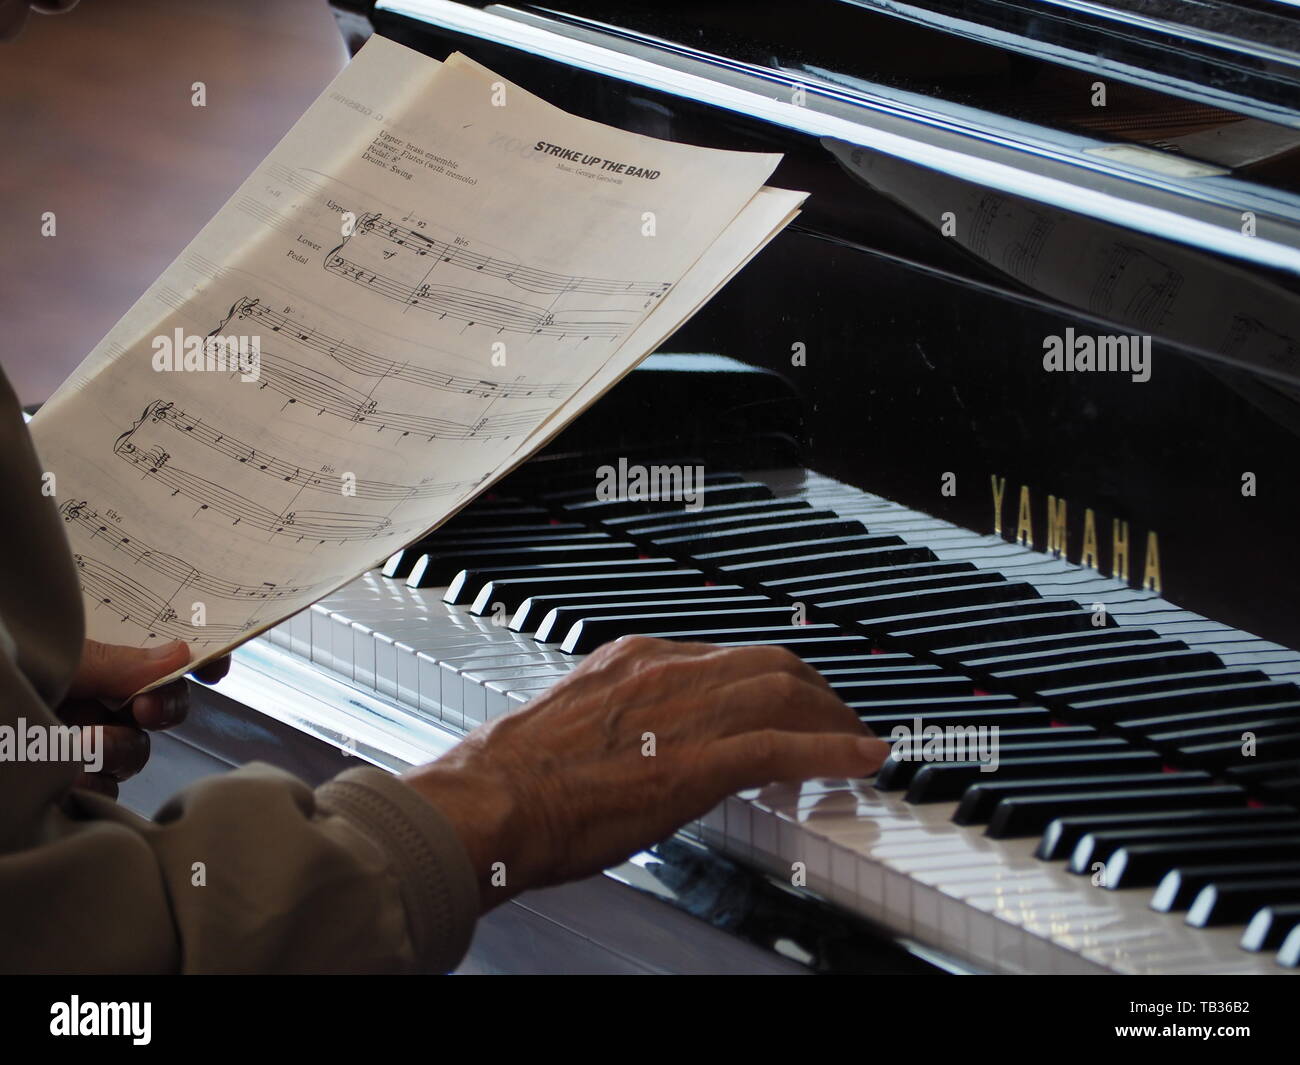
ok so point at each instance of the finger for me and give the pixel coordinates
(669, 666)
(96, 782)
(123, 751)
(87, 712)
(754, 759)
(161, 708)
(212, 671)
(741, 662)
(115, 672)
(777, 701)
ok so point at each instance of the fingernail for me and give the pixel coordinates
(173, 708)
(164, 650)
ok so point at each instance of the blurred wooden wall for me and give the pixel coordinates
(98, 128)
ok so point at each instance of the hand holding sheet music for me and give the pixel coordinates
(430, 275)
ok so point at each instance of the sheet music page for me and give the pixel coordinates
(429, 274)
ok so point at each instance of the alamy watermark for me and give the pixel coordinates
(213, 354)
(1107, 353)
(36, 742)
(639, 483)
(920, 742)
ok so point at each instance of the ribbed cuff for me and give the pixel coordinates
(439, 889)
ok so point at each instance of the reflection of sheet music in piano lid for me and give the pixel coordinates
(425, 297)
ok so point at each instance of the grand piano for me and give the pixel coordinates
(1003, 431)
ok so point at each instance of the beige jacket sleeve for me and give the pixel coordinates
(248, 872)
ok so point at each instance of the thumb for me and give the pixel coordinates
(111, 671)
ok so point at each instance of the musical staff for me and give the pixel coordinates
(320, 392)
(524, 277)
(89, 522)
(1134, 286)
(106, 585)
(476, 308)
(322, 526)
(367, 364)
(163, 413)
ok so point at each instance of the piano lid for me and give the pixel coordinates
(973, 197)
(1178, 131)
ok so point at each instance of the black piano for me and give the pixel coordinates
(1003, 431)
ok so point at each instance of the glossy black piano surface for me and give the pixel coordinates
(922, 354)
(971, 199)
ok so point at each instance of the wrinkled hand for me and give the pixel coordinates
(111, 673)
(567, 786)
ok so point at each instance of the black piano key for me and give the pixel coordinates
(689, 544)
(1225, 717)
(1215, 676)
(979, 801)
(1090, 640)
(998, 602)
(436, 570)
(571, 479)
(399, 564)
(1027, 815)
(1236, 901)
(589, 633)
(1144, 864)
(762, 512)
(512, 592)
(870, 610)
(1288, 954)
(1179, 887)
(1063, 833)
(1171, 739)
(610, 511)
(1034, 618)
(1047, 678)
(948, 781)
(486, 544)
(450, 536)
(837, 554)
(529, 612)
(1099, 846)
(1270, 926)
(791, 573)
(1221, 692)
(1253, 773)
(1008, 717)
(479, 515)
(1025, 656)
(1281, 789)
(913, 576)
(903, 764)
(559, 620)
(464, 588)
(1220, 754)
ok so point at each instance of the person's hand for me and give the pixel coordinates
(109, 673)
(644, 736)
(13, 13)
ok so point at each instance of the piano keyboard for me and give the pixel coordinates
(1120, 716)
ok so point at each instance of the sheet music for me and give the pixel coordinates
(429, 275)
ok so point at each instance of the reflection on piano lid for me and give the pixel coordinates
(990, 184)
